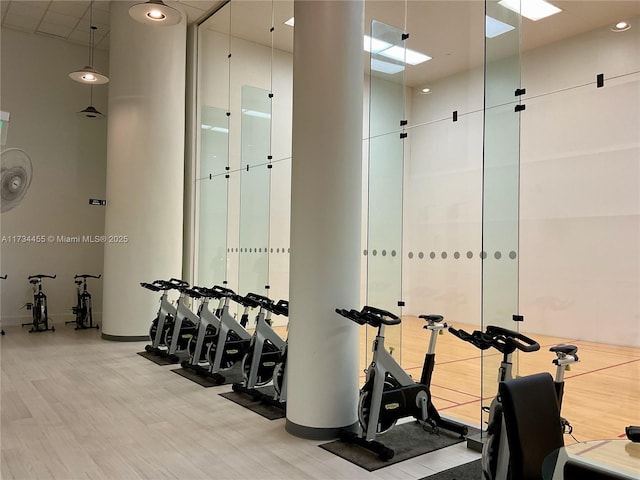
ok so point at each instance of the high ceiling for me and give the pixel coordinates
(69, 19)
(450, 31)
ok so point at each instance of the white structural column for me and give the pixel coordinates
(145, 169)
(326, 179)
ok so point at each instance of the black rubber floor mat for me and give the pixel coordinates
(467, 471)
(267, 411)
(407, 440)
(157, 359)
(205, 380)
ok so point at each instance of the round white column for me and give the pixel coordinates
(326, 179)
(145, 169)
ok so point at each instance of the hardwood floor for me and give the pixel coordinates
(602, 390)
(76, 407)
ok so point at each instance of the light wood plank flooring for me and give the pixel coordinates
(76, 407)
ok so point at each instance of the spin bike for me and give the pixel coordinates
(221, 341)
(265, 360)
(495, 451)
(207, 330)
(40, 314)
(82, 310)
(166, 313)
(4, 277)
(389, 393)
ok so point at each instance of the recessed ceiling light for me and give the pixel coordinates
(290, 22)
(493, 27)
(532, 9)
(425, 90)
(621, 27)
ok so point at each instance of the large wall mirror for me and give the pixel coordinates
(515, 188)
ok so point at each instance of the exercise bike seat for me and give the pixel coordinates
(566, 349)
(432, 318)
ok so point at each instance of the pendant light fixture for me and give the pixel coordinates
(90, 111)
(155, 12)
(89, 74)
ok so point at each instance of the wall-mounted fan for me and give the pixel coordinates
(16, 171)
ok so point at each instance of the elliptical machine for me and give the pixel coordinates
(495, 451)
(389, 393)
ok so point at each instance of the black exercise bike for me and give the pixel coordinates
(82, 310)
(39, 312)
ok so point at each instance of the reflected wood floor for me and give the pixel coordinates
(74, 406)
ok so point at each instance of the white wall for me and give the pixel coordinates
(580, 189)
(68, 154)
(443, 201)
(579, 193)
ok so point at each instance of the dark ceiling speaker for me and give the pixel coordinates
(16, 171)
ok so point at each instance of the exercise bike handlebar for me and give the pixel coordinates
(86, 275)
(281, 308)
(502, 339)
(353, 315)
(173, 284)
(40, 276)
(371, 315)
(259, 301)
(150, 286)
(222, 292)
(514, 339)
(376, 315)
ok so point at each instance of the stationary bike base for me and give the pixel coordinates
(159, 352)
(384, 453)
(203, 371)
(259, 396)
